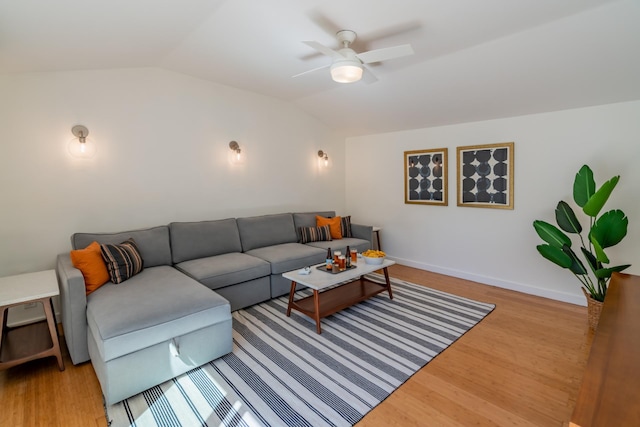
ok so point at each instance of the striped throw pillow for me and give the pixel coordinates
(345, 226)
(315, 234)
(123, 260)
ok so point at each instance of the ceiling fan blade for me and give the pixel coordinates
(311, 71)
(369, 76)
(323, 49)
(378, 55)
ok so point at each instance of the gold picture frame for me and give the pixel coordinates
(485, 175)
(425, 177)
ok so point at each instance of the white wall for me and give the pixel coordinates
(496, 246)
(162, 143)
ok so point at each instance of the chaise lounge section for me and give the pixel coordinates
(146, 330)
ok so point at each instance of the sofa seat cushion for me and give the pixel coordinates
(226, 269)
(341, 245)
(154, 306)
(289, 256)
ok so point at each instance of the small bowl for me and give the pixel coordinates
(373, 261)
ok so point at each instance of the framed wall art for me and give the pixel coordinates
(485, 176)
(425, 177)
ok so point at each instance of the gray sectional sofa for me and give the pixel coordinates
(175, 315)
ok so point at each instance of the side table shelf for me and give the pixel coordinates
(24, 343)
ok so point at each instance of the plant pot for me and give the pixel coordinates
(594, 308)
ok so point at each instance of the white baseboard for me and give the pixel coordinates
(492, 281)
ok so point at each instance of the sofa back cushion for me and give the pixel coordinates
(193, 240)
(266, 230)
(153, 243)
(308, 219)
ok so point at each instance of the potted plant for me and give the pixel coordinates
(604, 231)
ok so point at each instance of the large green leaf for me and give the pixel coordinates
(593, 262)
(583, 186)
(610, 228)
(605, 273)
(600, 255)
(576, 266)
(600, 197)
(551, 234)
(555, 255)
(566, 218)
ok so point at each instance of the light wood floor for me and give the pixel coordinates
(521, 366)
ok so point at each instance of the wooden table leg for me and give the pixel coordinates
(3, 321)
(291, 293)
(316, 305)
(53, 330)
(386, 277)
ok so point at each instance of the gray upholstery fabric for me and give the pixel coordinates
(154, 306)
(266, 230)
(226, 269)
(308, 219)
(153, 243)
(281, 286)
(192, 240)
(289, 256)
(245, 294)
(364, 232)
(73, 302)
(135, 372)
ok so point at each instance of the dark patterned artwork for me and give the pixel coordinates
(425, 177)
(485, 175)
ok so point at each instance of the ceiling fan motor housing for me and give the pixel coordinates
(346, 37)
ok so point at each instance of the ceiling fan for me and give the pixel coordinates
(347, 65)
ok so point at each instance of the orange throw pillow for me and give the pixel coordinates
(89, 261)
(333, 223)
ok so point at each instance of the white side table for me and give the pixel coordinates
(36, 340)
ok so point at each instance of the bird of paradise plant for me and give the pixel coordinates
(604, 231)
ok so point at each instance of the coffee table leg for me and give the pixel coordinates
(386, 278)
(316, 305)
(291, 293)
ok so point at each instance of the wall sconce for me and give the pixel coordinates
(322, 155)
(237, 157)
(81, 147)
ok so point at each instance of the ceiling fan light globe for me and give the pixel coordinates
(348, 72)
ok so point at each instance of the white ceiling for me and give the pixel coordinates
(474, 60)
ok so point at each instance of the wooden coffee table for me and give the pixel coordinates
(333, 292)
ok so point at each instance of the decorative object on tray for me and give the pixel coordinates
(604, 231)
(334, 270)
(425, 177)
(485, 176)
(373, 257)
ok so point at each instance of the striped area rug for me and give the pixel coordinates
(281, 373)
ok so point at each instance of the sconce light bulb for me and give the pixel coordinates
(326, 160)
(83, 147)
(238, 154)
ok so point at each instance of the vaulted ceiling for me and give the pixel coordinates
(474, 60)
